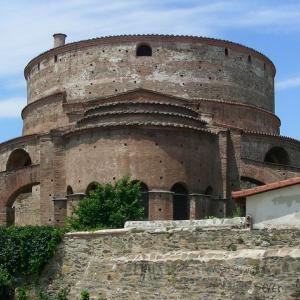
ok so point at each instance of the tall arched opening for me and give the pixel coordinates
(180, 202)
(69, 190)
(144, 198)
(19, 158)
(91, 187)
(23, 206)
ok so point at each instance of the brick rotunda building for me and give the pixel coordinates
(192, 118)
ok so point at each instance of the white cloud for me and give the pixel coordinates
(288, 83)
(26, 26)
(11, 108)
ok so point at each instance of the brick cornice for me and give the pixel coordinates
(146, 38)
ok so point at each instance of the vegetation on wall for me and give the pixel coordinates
(24, 251)
(109, 206)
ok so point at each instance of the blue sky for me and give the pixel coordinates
(271, 27)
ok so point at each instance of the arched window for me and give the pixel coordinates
(91, 187)
(19, 158)
(180, 202)
(209, 191)
(143, 50)
(144, 197)
(69, 190)
(277, 155)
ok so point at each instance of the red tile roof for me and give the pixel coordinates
(264, 188)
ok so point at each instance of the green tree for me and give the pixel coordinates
(109, 206)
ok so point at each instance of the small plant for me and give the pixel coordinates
(42, 295)
(62, 295)
(237, 212)
(21, 294)
(232, 247)
(84, 295)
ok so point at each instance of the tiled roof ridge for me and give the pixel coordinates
(115, 103)
(117, 38)
(141, 112)
(253, 132)
(139, 123)
(264, 188)
(236, 103)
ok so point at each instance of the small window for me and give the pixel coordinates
(226, 51)
(249, 59)
(144, 50)
(55, 58)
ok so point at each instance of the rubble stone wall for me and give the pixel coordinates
(195, 262)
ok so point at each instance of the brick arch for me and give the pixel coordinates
(13, 184)
(261, 174)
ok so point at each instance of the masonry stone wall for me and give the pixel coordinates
(158, 157)
(185, 67)
(195, 262)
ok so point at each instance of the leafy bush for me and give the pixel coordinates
(108, 206)
(21, 294)
(84, 295)
(24, 252)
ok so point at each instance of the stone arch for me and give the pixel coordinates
(277, 155)
(261, 174)
(27, 192)
(180, 201)
(143, 50)
(19, 158)
(91, 187)
(144, 197)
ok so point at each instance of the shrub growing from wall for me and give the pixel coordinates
(109, 206)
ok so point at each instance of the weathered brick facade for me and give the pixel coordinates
(192, 118)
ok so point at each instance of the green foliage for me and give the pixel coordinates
(84, 295)
(232, 247)
(108, 206)
(21, 294)
(24, 252)
(62, 295)
(237, 212)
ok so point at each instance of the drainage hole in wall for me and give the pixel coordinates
(159, 209)
(161, 177)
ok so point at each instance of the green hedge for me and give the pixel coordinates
(24, 251)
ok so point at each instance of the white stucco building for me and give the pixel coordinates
(272, 205)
